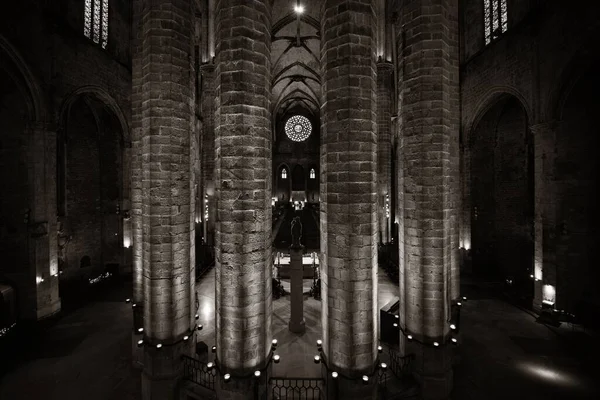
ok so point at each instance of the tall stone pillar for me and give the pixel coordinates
(208, 152)
(297, 323)
(243, 192)
(544, 137)
(165, 74)
(43, 299)
(385, 87)
(137, 300)
(428, 162)
(349, 232)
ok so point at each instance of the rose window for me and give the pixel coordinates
(298, 128)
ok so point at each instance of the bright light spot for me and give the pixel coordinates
(257, 373)
(207, 310)
(365, 378)
(299, 9)
(550, 374)
(549, 294)
(126, 242)
(334, 374)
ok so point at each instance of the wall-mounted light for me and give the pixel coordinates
(298, 9)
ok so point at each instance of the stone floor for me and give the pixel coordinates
(504, 352)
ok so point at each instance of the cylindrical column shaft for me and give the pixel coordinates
(136, 153)
(297, 323)
(243, 188)
(428, 159)
(349, 189)
(208, 152)
(168, 155)
(384, 147)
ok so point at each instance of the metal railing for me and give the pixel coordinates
(198, 372)
(297, 388)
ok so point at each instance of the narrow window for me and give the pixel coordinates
(284, 174)
(312, 173)
(95, 21)
(495, 19)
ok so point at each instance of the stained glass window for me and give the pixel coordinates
(312, 173)
(495, 19)
(298, 128)
(284, 174)
(95, 21)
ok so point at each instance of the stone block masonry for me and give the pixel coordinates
(428, 162)
(243, 188)
(349, 232)
(168, 156)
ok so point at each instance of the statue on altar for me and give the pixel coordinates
(296, 232)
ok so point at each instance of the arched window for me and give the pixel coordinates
(495, 19)
(284, 174)
(95, 24)
(312, 173)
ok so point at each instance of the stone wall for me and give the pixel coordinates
(547, 49)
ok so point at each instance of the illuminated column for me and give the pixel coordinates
(349, 232)
(544, 137)
(243, 240)
(42, 300)
(384, 147)
(297, 323)
(136, 183)
(428, 167)
(208, 152)
(136, 153)
(165, 72)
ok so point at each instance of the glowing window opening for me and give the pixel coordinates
(312, 173)
(95, 21)
(495, 19)
(284, 174)
(298, 128)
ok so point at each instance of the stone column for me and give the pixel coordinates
(349, 192)
(243, 192)
(428, 162)
(208, 152)
(43, 298)
(167, 199)
(136, 182)
(544, 137)
(385, 88)
(297, 323)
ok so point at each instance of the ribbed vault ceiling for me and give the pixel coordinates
(295, 57)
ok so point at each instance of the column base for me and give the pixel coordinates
(297, 326)
(247, 388)
(432, 369)
(49, 310)
(341, 388)
(163, 369)
(137, 353)
(241, 389)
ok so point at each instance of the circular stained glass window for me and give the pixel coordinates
(298, 128)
